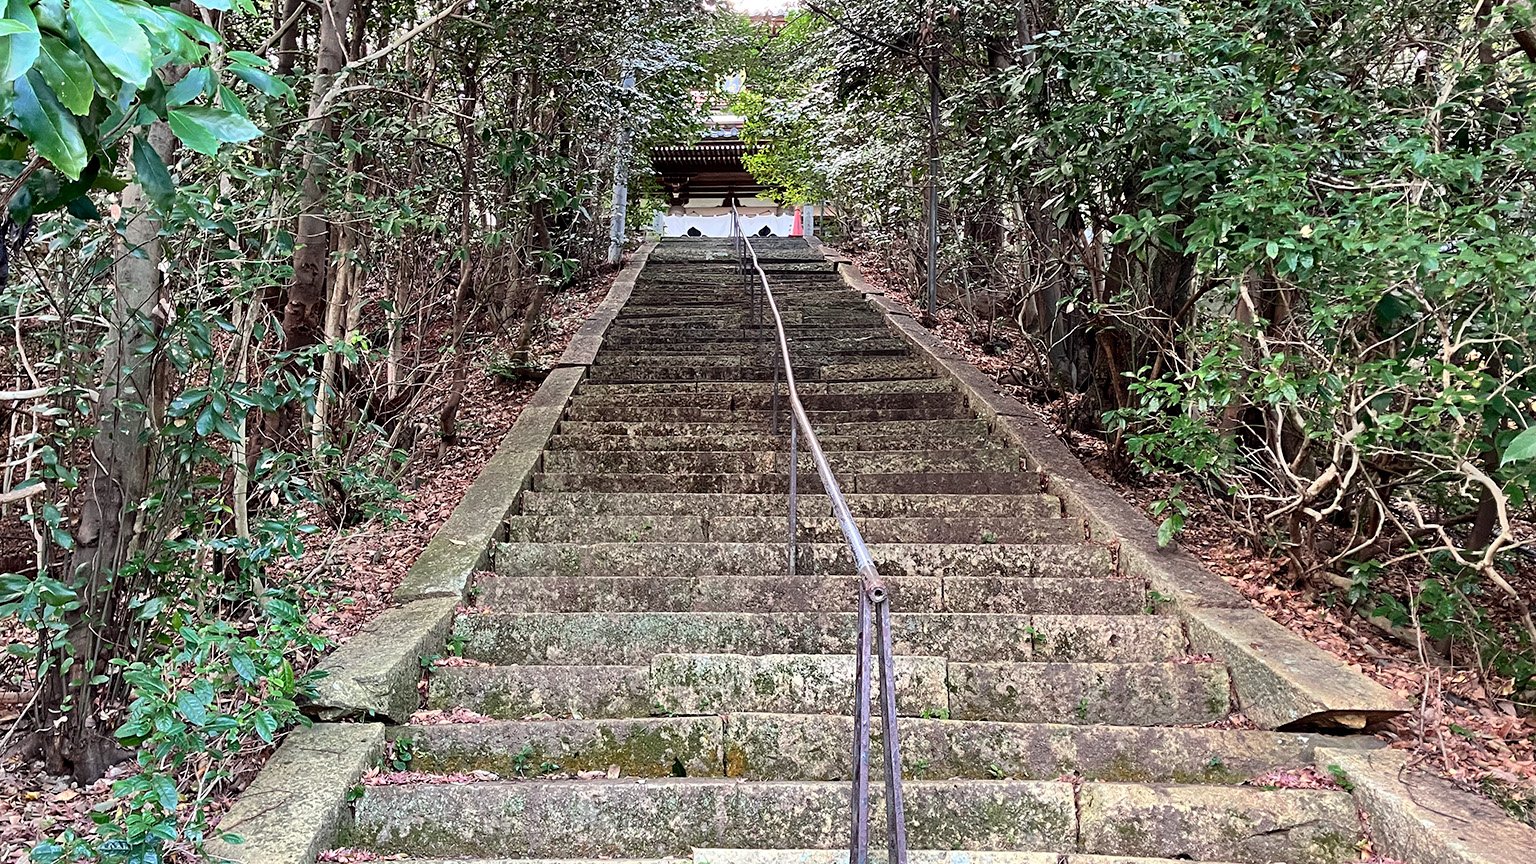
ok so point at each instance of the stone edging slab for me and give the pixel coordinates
(1283, 681)
(1422, 818)
(293, 810)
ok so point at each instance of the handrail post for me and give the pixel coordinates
(858, 841)
(794, 467)
(895, 802)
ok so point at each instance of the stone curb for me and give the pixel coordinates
(589, 339)
(1423, 819)
(293, 810)
(374, 674)
(1282, 680)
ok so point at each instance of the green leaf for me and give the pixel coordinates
(7, 27)
(192, 708)
(18, 48)
(68, 74)
(216, 5)
(267, 84)
(1522, 449)
(151, 173)
(49, 126)
(203, 129)
(188, 88)
(1168, 529)
(244, 666)
(165, 792)
(266, 726)
(116, 38)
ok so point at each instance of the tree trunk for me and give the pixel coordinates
(304, 313)
(108, 531)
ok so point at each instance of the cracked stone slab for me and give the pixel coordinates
(292, 811)
(1422, 819)
(375, 673)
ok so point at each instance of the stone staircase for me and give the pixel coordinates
(660, 687)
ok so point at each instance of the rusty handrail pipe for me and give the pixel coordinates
(874, 602)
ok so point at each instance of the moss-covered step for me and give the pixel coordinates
(775, 462)
(669, 817)
(868, 370)
(815, 747)
(632, 638)
(899, 385)
(779, 593)
(765, 440)
(805, 683)
(1237, 823)
(520, 692)
(893, 559)
(1122, 694)
(638, 746)
(914, 856)
(568, 528)
(1023, 506)
(814, 402)
(963, 426)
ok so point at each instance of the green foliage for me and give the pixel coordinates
(80, 75)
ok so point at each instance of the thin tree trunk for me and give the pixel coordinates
(122, 454)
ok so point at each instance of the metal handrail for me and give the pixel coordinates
(874, 602)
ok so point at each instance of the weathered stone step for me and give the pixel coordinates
(815, 747)
(687, 684)
(763, 401)
(952, 410)
(768, 462)
(960, 427)
(808, 348)
(723, 439)
(780, 593)
(873, 370)
(1123, 694)
(639, 746)
(809, 388)
(953, 483)
(1024, 506)
(914, 856)
(708, 355)
(893, 559)
(567, 528)
(633, 638)
(674, 816)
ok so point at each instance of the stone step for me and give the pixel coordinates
(672, 817)
(1123, 694)
(1024, 506)
(810, 529)
(914, 856)
(958, 427)
(762, 401)
(768, 462)
(808, 388)
(766, 440)
(809, 349)
(781, 593)
(954, 483)
(949, 410)
(706, 355)
(686, 684)
(816, 747)
(633, 638)
(893, 559)
(873, 370)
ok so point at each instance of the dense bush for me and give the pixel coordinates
(1283, 249)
